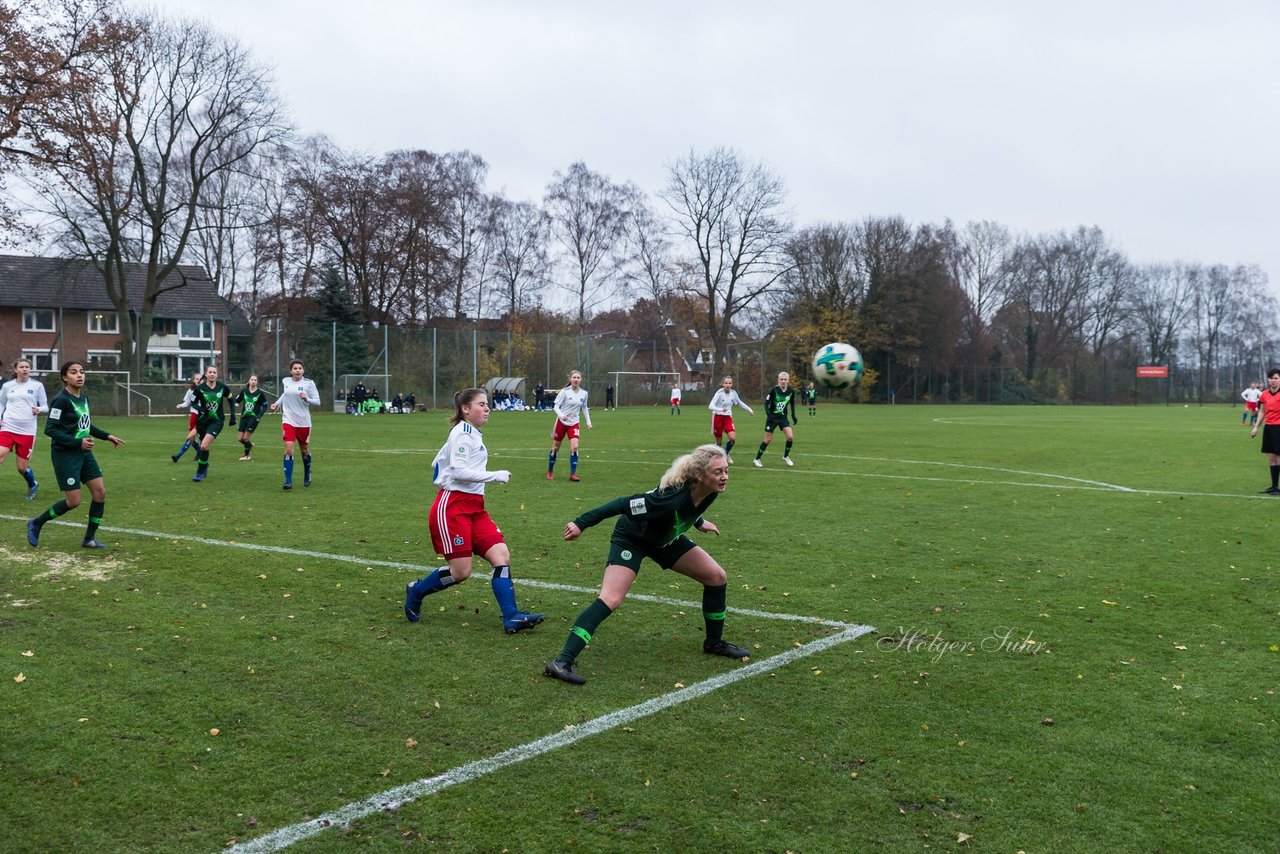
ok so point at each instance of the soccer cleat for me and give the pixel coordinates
(520, 622)
(245, 457)
(174, 457)
(306, 481)
(723, 647)
(91, 543)
(198, 476)
(550, 476)
(787, 460)
(564, 672)
(31, 493)
(287, 486)
(574, 478)
(756, 462)
(33, 533)
(1270, 490)
(412, 604)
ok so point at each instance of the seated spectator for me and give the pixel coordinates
(397, 403)
(409, 402)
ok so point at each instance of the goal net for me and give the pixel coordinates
(641, 388)
(360, 393)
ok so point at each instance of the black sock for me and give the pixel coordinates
(760, 453)
(1275, 477)
(95, 518)
(583, 629)
(786, 450)
(713, 600)
(60, 508)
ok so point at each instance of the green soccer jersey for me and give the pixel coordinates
(777, 401)
(69, 422)
(252, 403)
(651, 519)
(208, 401)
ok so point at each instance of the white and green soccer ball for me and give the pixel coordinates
(837, 366)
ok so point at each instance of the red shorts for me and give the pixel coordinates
(1251, 406)
(301, 435)
(675, 401)
(562, 430)
(721, 424)
(460, 526)
(191, 420)
(18, 442)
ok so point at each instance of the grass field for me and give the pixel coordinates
(1075, 645)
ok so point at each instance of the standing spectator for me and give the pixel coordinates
(71, 435)
(297, 397)
(21, 400)
(253, 404)
(775, 413)
(185, 403)
(570, 407)
(608, 397)
(207, 401)
(538, 391)
(652, 525)
(721, 406)
(460, 525)
(1269, 402)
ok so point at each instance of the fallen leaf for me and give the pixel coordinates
(410, 742)
(20, 678)
(963, 837)
(214, 731)
(28, 653)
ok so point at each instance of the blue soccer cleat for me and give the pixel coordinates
(520, 621)
(198, 476)
(31, 493)
(91, 543)
(33, 533)
(412, 604)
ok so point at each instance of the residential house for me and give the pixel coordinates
(54, 309)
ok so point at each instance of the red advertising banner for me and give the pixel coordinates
(1153, 371)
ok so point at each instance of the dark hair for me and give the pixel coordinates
(66, 366)
(295, 362)
(1272, 372)
(464, 398)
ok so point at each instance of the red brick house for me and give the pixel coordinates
(54, 309)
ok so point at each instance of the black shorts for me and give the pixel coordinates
(773, 422)
(208, 428)
(1271, 439)
(248, 424)
(624, 551)
(73, 468)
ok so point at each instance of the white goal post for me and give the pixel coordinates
(641, 387)
(121, 382)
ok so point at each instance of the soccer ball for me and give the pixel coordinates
(837, 366)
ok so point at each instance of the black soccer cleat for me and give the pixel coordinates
(1270, 490)
(564, 672)
(723, 647)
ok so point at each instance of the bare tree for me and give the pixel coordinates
(520, 235)
(466, 210)
(1161, 301)
(125, 164)
(588, 215)
(732, 215)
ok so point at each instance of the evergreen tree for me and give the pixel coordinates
(334, 305)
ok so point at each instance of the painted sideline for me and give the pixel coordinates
(391, 799)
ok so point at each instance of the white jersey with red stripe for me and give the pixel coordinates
(297, 410)
(571, 405)
(19, 405)
(460, 464)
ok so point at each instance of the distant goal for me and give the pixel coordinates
(642, 388)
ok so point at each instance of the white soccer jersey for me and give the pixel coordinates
(675, 392)
(1251, 395)
(297, 412)
(187, 399)
(460, 464)
(572, 405)
(19, 404)
(722, 402)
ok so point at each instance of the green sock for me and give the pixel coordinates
(713, 599)
(583, 629)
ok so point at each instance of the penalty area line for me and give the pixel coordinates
(394, 798)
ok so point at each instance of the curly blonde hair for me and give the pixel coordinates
(692, 466)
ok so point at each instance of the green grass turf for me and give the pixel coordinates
(1075, 648)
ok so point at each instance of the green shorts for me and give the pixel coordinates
(73, 468)
(248, 424)
(208, 428)
(625, 552)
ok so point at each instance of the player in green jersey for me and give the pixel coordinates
(775, 417)
(207, 400)
(71, 439)
(253, 404)
(652, 525)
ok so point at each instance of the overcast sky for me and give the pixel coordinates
(1157, 121)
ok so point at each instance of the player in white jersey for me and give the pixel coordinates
(721, 406)
(1251, 397)
(570, 407)
(298, 394)
(21, 400)
(460, 525)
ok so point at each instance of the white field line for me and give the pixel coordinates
(393, 798)
(391, 564)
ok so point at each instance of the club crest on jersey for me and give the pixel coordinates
(457, 541)
(637, 506)
(626, 554)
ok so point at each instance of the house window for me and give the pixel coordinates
(38, 320)
(42, 361)
(104, 360)
(195, 330)
(104, 321)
